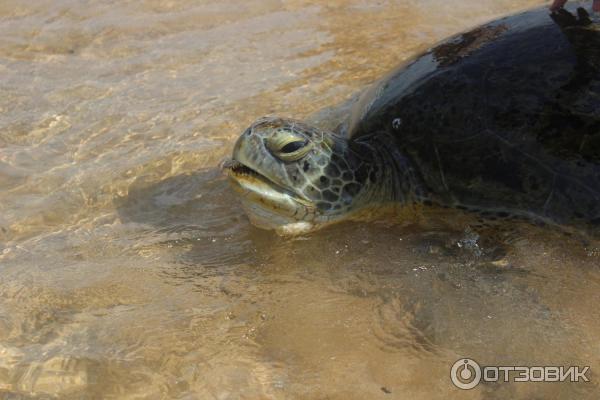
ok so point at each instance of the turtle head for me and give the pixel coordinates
(293, 177)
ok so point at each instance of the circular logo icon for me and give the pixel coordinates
(465, 374)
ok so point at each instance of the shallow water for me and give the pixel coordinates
(128, 269)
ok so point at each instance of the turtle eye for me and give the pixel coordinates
(288, 147)
(293, 146)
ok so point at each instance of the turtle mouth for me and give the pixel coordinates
(257, 188)
(236, 169)
(239, 172)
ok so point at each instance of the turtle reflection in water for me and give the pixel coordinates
(503, 119)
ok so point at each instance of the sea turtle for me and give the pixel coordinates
(504, 118)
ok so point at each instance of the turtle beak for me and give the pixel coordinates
(256, 175)
(252, 161)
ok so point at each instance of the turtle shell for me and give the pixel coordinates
(505, 116)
